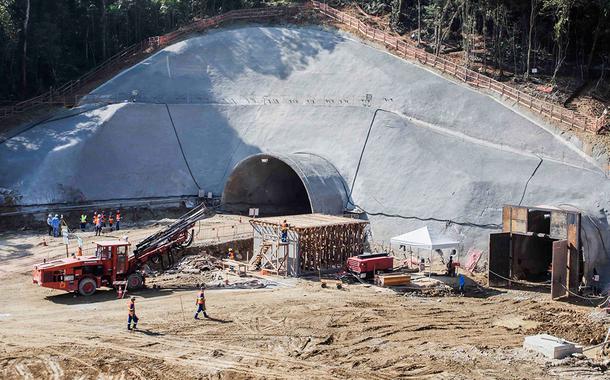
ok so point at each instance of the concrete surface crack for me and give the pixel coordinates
(529, 179)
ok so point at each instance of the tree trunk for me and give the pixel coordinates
(534, 4)
(600, 22)
(104, 26)
(418, 22)
(24, 51)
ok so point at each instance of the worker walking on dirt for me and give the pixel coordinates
(200, 302)
(284, 229)
(132, 314)
(50, 224)
(83, 222)
(110, 220)
(103, 219)
(118, 220)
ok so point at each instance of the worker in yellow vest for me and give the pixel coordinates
(200, 302)
(83, 221)
(132, 314)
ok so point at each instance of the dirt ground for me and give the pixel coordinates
(295, 329)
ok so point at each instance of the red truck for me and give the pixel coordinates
(365, 266)
(113, 264)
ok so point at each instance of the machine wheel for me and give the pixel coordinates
(135, 281)
(87, 286)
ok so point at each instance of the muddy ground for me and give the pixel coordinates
(293, 330)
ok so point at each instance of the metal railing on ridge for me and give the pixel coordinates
(403, 50)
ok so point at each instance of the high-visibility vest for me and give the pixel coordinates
(110, 220)
(132, 308)
(118, 216)
(284, 227)
(201, 299)
(95, 219)
(103, 218)
(83, 218)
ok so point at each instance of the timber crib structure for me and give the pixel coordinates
(316, 243)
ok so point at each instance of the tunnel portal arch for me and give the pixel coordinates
(285, 184)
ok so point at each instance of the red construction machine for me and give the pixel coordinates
(365, 266)
(113, 264)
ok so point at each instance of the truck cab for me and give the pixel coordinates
(110, 266)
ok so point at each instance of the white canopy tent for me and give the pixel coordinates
(423, 238)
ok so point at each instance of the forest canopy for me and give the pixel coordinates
(44, 43)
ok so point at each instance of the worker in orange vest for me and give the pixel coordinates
(284, 229)
(118, 220)
(103, 219)
(110, 220)
(132, 314)
(200, 302)
(231, 254)
(95, 219)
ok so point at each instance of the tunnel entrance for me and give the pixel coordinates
(268, 184)
(285, 184)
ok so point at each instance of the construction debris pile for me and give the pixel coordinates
(194, 264)
(193, 271)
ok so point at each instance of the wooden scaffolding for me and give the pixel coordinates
(315, 243)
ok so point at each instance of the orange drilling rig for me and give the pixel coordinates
(113, 265)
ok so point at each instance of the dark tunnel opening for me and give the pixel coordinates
(266, 183)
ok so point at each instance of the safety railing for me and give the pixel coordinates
(400, 48)
(64, 95)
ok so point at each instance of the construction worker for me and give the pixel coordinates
(95, 220)
(118, 220)
(110, 220)
(103, 219)
(98, 226)
(595, 282)
(50, 224)
(231, 254)
(132, 314)
(461, 283)
(284, 229)
(450, 267)
(200, 302)
(83, 221)
(55, 225)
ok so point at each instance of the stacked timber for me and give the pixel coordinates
(392, 279)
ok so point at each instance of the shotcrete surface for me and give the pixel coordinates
(428, 147)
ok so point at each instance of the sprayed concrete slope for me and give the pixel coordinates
(436, 149)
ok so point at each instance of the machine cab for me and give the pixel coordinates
(116, 253)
